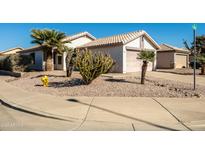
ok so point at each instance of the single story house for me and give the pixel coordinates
(170, 57)
(58, 59)
(11, 51)
(124, 49)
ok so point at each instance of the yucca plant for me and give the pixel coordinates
(92, 65)
(146, 56)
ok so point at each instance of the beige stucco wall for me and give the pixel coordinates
(165, 59)
(116, 52)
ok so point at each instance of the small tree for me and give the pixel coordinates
(200, 51)
(93, 65)
(146, 57)
(201, 60)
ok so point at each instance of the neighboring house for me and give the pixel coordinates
(11, 51)
(170, 57)
(58, 59)
(124, 49)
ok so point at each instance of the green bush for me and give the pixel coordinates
(16, 62)
(93, 65)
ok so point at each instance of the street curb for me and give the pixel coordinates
(27, 110)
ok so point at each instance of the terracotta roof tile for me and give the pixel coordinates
(118, 39)
(166, 47)
(72, 37)
(9, 50)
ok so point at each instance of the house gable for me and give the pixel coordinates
(134, 43)
(143, 42)
(79, 41)
(148, 44)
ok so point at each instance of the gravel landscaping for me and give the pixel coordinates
(182, 71)
(103, 86)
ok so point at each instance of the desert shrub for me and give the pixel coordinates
(2, 59)
(17, 62)
(93, 65)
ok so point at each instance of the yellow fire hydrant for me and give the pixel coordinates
(45, 81)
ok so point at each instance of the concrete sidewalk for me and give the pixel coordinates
(111, 113)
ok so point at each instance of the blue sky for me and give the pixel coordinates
(13, 35)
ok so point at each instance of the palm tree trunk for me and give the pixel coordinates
(144, 69)
(69, 64)
(49, 60)
(203, 69)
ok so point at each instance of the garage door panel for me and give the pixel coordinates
(133, 64)
(181, 60)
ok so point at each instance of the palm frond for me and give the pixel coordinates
(49, 38)
(146, 55)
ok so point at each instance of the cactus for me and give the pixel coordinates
(92, 65)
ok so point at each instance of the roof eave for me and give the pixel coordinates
(103, 45)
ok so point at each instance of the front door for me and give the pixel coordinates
(58, 61)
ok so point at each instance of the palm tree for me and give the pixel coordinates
(49, 40)
(146, 57)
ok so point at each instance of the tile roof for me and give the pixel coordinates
(119, 39)
(72, 37)
(12, 49)
(30, 49)
(166, 47)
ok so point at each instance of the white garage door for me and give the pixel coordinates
(181, 60)
(133, 64)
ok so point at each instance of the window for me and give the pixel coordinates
(59, 60)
